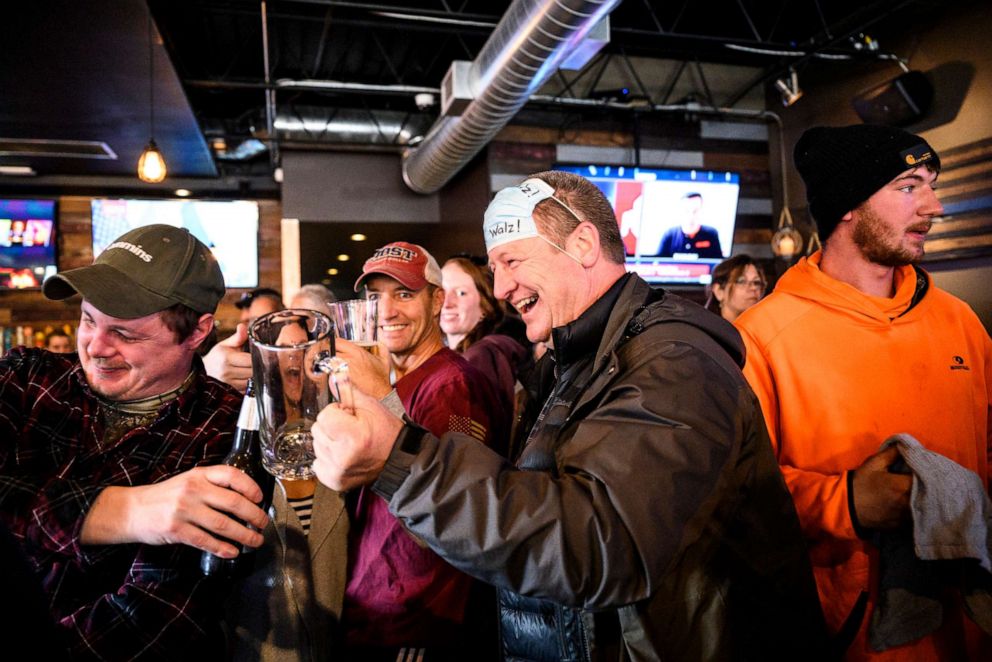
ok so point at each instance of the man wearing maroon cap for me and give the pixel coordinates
(400, 594)
(405, 280)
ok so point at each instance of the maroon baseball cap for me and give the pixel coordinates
(410, 264)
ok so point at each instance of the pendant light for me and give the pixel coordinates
(151, 165)
(786, 242)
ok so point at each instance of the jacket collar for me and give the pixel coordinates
(627, 308)
(639, 306)
(582, 336)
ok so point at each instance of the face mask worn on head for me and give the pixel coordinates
(510, 216)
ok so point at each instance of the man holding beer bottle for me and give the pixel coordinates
(97, 449)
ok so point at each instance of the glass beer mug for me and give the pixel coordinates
(296, 374)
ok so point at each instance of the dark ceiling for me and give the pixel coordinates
(74, 71)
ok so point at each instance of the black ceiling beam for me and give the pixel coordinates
(393, 9)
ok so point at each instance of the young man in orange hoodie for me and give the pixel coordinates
(856, 344)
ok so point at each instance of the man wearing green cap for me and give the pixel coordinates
(93, 444)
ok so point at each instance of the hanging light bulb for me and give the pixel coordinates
(786, 242)
(151, 164)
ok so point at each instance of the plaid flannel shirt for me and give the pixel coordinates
(113, 602)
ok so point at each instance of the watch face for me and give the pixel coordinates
(411, 437)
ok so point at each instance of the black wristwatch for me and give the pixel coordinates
(411, 437)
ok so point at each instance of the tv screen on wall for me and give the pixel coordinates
(676, 225)
(228, 227)
(28, 249)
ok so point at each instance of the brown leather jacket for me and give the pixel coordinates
(646, 517)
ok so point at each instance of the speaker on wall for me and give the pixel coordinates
(898, 102)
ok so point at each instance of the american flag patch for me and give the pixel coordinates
(466, 425)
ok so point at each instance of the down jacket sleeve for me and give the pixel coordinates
(628, 481)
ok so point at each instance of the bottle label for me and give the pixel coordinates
(248, 418)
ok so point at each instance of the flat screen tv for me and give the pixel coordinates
(676, 225)
(28, 250)
(228, 227)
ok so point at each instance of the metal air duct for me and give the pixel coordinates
(318, 124)
(528, 44)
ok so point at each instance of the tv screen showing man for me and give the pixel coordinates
(675, 225)
(690, 236)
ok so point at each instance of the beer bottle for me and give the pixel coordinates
(246, 454)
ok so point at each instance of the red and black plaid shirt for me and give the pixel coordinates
(114, 602)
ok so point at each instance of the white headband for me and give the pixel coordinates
(510, 216)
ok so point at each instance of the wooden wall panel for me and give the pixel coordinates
(965, 190)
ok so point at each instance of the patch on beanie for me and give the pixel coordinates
(916, 155)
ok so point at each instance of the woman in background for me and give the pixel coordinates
(738, 283)
(475, 325)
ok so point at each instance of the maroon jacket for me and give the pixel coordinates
(399, 592)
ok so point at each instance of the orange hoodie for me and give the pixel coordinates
(837, 372)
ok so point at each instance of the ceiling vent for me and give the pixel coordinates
(66, 149)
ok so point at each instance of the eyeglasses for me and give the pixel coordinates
(757, 284)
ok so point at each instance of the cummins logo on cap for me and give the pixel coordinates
(131, 248)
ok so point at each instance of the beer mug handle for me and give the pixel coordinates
(340, 383)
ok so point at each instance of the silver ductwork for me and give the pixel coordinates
(318, 124)
(528, 44)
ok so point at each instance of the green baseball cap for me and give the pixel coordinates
(144, 271)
